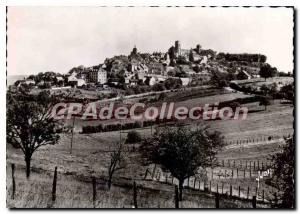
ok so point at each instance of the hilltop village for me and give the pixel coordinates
(143, 72)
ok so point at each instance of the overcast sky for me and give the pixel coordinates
(59, 38)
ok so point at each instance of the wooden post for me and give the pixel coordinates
(72, 137)
(263, 195)
(222, 188)
(210, 186)
(217, 200)
(94, 191)
(237, 172)
(195, 183)
(217, 188)
(248, 191)
(176, 197)
(153, 172)
(232, 173)
(233, 163)
(230, 190)
(239, 191)
(146, 174)
(13, 181)
(135, 195)
(254, 202)
(223, 163)
(54, 185)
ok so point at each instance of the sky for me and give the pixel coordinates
(59, 38)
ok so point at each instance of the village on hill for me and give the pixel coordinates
(143, 72)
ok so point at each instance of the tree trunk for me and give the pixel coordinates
(27, 160)
(109, 181)
(180, 189)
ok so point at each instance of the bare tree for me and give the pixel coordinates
(117, 162)
(30, 124)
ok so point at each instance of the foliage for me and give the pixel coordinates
(284, 174)
(266, 71)
(182, 151)
(29, 123)
(133, 137)
(265, 101)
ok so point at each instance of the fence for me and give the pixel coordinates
(256, 140)
(50, 198)
(213, 185)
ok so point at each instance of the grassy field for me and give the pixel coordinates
(90, 157)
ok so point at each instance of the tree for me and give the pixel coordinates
(117, 162)
(284, 174)
(264, 89)
(30, 124)
(288, 91)
(133, 137)
(182, 151)
(266, 71)
(265, 101)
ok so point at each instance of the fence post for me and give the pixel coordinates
(217, 200)
(263, 195)
(210, 186)
(94, 191)
(232, 173)
(248, 191)
(233, 163)
(254, 202)
(153, 172)
(176, 197)
(195, 183)
(13, 181)
(134, 195)
(230, 190)
(222, 188)
(217, 188)
(146, 174)
(54, 185)
(239, 191)
(237, 172)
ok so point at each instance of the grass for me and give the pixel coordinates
(90, 157)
